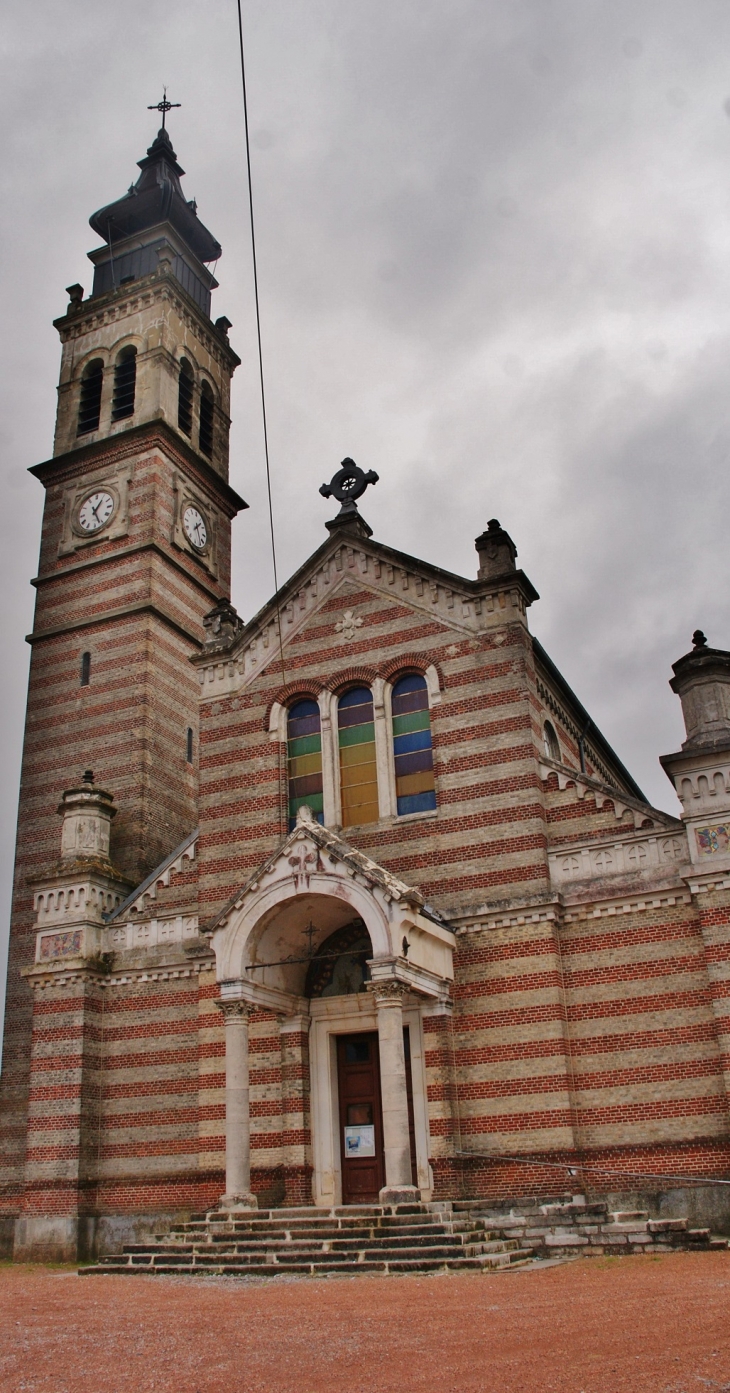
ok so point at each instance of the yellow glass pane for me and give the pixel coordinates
(305, 764)
(359, 812)
(415, 783)
(357, 755)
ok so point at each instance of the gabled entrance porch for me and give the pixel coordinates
(329, 945)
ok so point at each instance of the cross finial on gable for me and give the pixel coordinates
(348, 484)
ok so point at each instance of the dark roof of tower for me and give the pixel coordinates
(157, 197)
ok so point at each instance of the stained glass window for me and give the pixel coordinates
(414, 778)
(358, 769)
(304, 749)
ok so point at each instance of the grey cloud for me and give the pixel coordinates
(493, 254)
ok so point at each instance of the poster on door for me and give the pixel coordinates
(360, 1141)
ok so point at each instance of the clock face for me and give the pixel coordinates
(195, 528)
(96, 510)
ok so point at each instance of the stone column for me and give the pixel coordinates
(399, 1187)
(238, 1127)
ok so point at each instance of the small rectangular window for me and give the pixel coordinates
(190, 745)
(85, 669)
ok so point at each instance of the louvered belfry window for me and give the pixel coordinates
(186, 383)
(205, 434)
(304, 750)
(90, 399)
(125, 380)
(358, 768)
(414, 778)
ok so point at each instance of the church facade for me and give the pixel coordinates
(351, 901)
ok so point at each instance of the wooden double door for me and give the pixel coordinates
(361, 1116)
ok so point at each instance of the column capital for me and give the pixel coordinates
(234, 1010)
(389, 993)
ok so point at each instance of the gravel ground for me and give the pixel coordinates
(649, 1325)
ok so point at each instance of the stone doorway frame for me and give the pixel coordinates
(345, 1015)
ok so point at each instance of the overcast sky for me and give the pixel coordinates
(494, 255)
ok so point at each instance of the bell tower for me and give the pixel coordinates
(135, 551)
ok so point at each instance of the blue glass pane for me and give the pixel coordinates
(417, 803)
(413, 682)
(359, 696)
(414, 740)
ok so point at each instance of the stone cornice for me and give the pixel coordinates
(210, 588)
(75, 970)
(557, 912)
(621, 800)
(160, 284)
(635, 903)
(149, 435)
(92, 620)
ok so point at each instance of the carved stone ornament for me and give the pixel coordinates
(87, 811)
(348, 625)
(390, 993)
(304, 861)
(234, 1010)
(496, 550)
(222, 626)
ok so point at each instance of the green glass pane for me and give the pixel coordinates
(315, 801)
(358, 735)
(305, 745)
(411, 720)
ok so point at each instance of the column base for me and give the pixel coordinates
(242, 1201)
(399, 1194)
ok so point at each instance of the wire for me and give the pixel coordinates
(258, 331)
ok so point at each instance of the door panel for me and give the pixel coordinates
(361, 1118)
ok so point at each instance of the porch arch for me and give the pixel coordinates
(264, 929)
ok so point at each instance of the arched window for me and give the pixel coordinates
(90, 399)
(304, 750)
(358, 769)
(125, 378)
(85, 669)
(414, 779)
(205, 434)
(185, 386)
(550, 741)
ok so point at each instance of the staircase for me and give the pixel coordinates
(569, 1226)
(463, 1236)
(355, 1239)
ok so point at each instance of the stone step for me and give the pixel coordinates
(435, 1233)
(490, 1261)
(409, 1222)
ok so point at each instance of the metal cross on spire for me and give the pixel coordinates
(164, 106)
